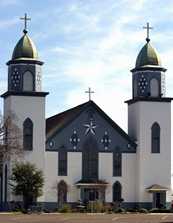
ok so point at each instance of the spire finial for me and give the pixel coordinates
(89, 92)
(148, 27)
(25, 18)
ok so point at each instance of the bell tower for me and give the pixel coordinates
(26, 100)
(24, 69)
(149, 123)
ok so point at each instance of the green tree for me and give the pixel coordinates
(28, 181)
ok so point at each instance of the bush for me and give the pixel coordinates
(157, 210)
(65, 208)
(119, 210)
(132, 210)
(95, 207)
(108, 208)
(143, 210)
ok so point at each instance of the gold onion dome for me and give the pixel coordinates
(148, 57)
(25, 49)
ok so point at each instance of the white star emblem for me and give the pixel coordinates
(90, 128)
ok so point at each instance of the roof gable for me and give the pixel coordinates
(59, 123)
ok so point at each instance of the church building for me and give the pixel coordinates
(82, 152)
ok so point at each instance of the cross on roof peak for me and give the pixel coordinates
(26, 19)
(148, 27)
(89, 92)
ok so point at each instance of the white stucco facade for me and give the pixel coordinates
(152, 168)
(33, 108)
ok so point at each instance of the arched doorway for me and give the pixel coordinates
(117, 189)
(62, 193)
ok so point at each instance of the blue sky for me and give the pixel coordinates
(88, 43)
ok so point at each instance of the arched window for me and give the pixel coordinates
(28, 134)
(28, 82)
(90, 159)
(117, 191)
(154, 87)
(155, 138)
(62, 193)
(6, 182)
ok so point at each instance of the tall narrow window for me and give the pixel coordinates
(62, 162)
(117, 164)
(28, 134)
(6, 183)
(28, 82)
(62, 193)
(154, 87)
(155, 138)
(117, 191)
(90, 159)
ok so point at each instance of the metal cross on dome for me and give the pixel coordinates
(148, 27)
(25, 18)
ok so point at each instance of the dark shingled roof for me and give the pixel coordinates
(61, 120)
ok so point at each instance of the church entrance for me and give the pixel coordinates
(159, 199)
(159, 195)
(90, 194)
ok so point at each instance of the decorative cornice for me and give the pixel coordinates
(148, 68)
(26, 61)
(148, 99)
(24, 93)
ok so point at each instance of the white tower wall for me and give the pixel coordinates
(32, 107)
(153, 168)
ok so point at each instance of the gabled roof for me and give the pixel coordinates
(156, 187)
(58, 122)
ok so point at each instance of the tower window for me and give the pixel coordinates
(62, 163)
(154, 87)
(28, 134)
(117, 191)
(28, 81)
(117, 164)
(155, 138)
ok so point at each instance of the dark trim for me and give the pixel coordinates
(31, 61)
(149, 99)
(24, 93)
(100, 151)
(155, 68)
(103, 114)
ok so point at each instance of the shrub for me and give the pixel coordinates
(157, 210)
(119, 210)
(133, 210)
(108, 208)
(65, 208)
(95, 206)
(143, 210)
